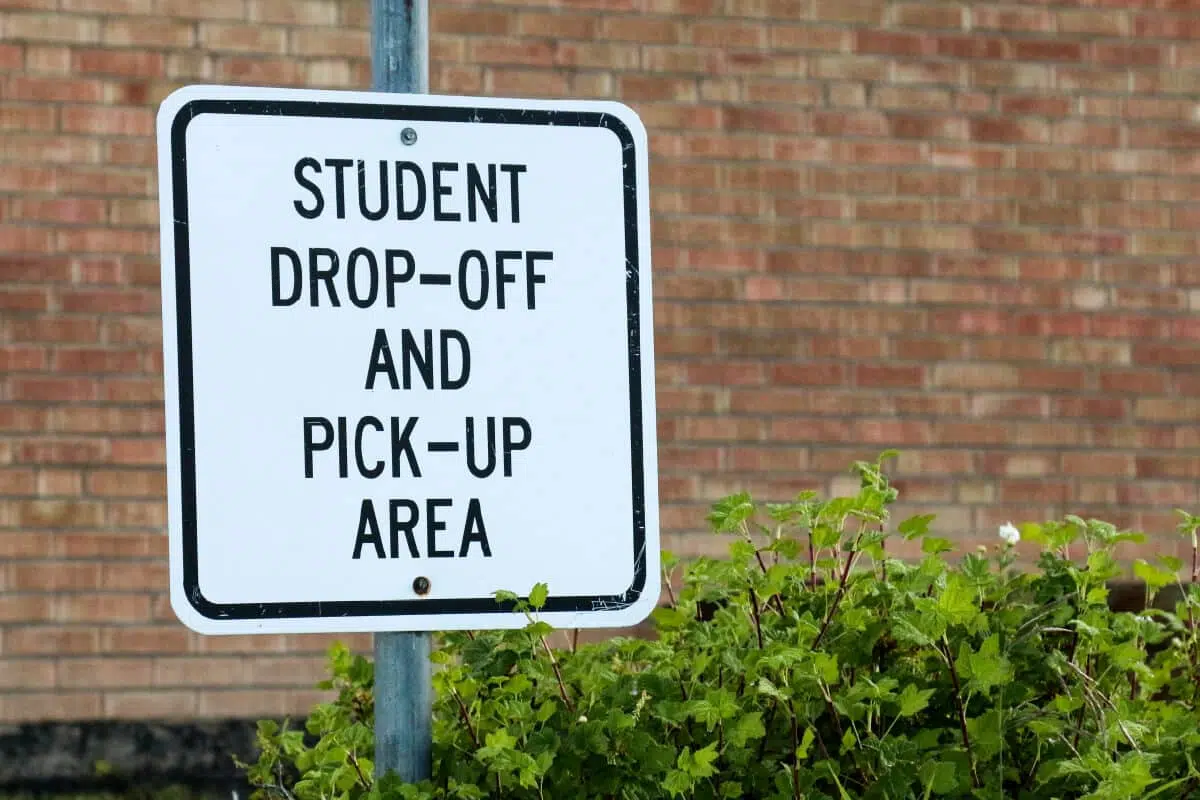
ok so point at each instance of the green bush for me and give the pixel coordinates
(810, 665)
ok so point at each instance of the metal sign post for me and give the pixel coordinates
(403, 673)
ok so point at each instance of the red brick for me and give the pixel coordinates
(27, 119)
(112, 120)
(135, 575)
(17, 481)
(55, 577)
(1047, 50)
(54, 641)
(1166, 26)
(1030, 20)
(143, 32)
(1096, 22)
(122, 301)
(42, 27)
(74, 210)
(129, 63)
(257, 702)
(304, 42)
(18, 177)
(199, 671)
(1129, 54)
(318, 13)
(809, 374)
(22, 545)
(971, 47)
(45, 89)
(556, 25)
(22, 358)
(60, 705)
(103, 607)
(1009, 130)
(59, 451)
(92, 673)
(11, 56)
(156, 704)
(93, 360)
(921, 15)
(882, 375)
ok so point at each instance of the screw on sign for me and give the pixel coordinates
(410, 374)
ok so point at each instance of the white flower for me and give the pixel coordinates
(1009, 533)
(582, 718)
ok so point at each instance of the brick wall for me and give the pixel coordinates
(965, 230)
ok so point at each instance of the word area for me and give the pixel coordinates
(404, 517)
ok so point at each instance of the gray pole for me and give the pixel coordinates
(403, 672)
(403, 705)
(400, 46)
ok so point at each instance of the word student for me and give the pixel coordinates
(405, 190)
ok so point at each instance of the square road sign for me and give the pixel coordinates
(408, 360)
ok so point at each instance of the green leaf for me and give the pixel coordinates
(785, 547)
(500, 739)
(825, 665)
(938, 777)
(806, 742)
(749, 727)
(986, 668)
(698, 764)
(825, 536)
(741, 551)
(678, 782)
(913, 700)
(732, 790)
(958, 602)
(667, 618)
(702, 766)
(916, 526)
(936, 544)
(539, 628)
(767, 687)
(537, 595)
(1154, 577)
(1032, 532)
(730, 513)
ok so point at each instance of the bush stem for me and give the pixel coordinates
(962, 710)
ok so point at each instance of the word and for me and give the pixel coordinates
(419, 358)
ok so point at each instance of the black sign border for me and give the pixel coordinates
(187, 435)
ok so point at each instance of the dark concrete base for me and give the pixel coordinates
(123, 756)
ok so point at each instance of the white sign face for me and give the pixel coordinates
(408, 360)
